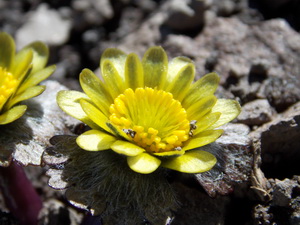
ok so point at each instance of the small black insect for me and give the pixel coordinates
(193, 127)
(130, 132)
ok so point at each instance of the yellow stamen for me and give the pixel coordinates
(8, 84)
(151, 118)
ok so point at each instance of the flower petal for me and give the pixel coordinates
(117, 58)
(155, 66)
(196, 161)
(229, 110)
(95, 140)
(200, 108)
(36, 78)
(27, 94)
(143, 163)
(40, 55)
(69, 101)
(176, 65)
(170, 153)
(203, 87)
(203, 138)
(126, 148)
(95, 114)
(95, 89)
(113, 81)
(181, 83)
(134, 74)
(206, 121)
(22, 63)
(12, 114)
(7, 50)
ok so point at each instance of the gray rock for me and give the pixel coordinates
(199, 208)
(46, 25)
(280, 143)
(185, 15)
(282, 192)
(256, 112)
(234, 161)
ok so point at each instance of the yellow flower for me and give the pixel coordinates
(150, 111)
(19, 75)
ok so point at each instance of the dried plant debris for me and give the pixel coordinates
(103, 184)
(284, 206)
(24, 140)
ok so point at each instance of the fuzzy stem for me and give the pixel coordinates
(19, 194)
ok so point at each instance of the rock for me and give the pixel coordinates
(185, 15)
(256, 112)
(280, 143)
(46, 25)
(262, 214)
(281, 92)
(199, 208)
(283, 208)
(249, 55)
(283, 191)
(234, 161)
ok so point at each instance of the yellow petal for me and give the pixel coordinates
(112, 79)
(95, 89)
(7, 50)
(27, 94)
(12, 114)
(170, 153)
(155, 66)
(176, 65)
(182, 81)
(134, 74)
(95, 140)
(22, 63)
(69, 101)
(206, 121)
(36, 78)
(40, 55)
(200, 108)
(203, 87)
(117, 58)
(203, 138)
(229, 110)
(126, 148)
(95, 114)
(143, 163)
(196, 161)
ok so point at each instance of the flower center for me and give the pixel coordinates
(8, 84)
(151, 118)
